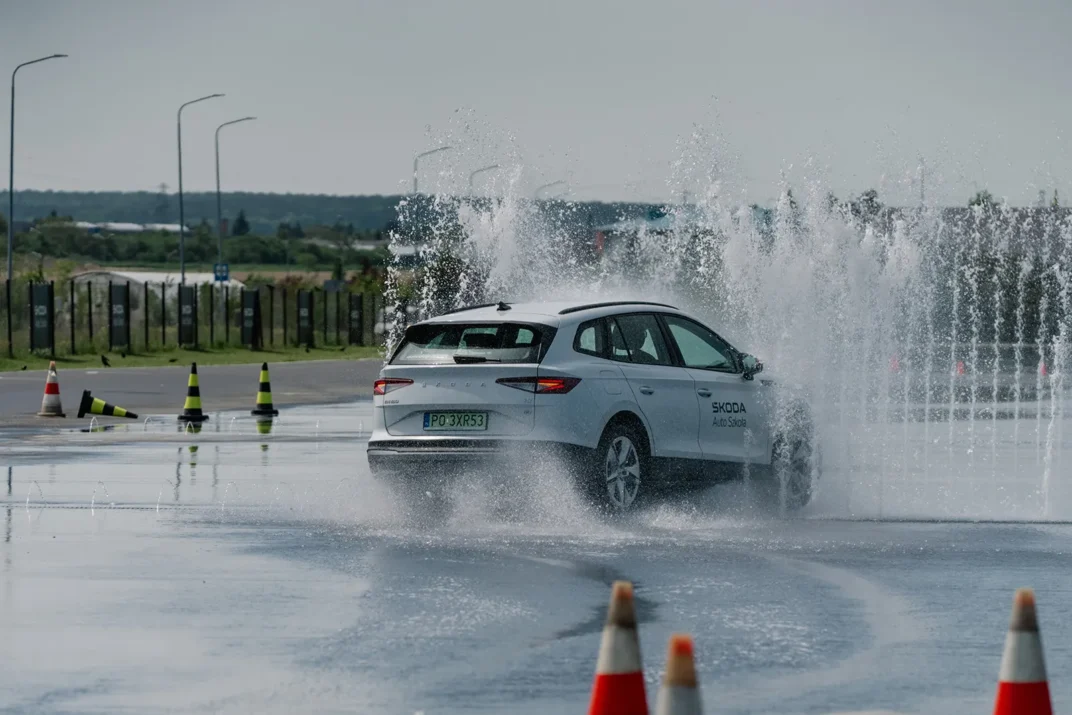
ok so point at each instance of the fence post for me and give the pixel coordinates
(52, 318)
(325, 319)
(111, 338)
(197, 316)
(145, 312)
(30, 307)
(271, 315)
(211, 314)
(7, 307)
(70, 313)
(89, 311)
(130, 329)
(227, 314)
(284, 297)
(338, 316)
(163, 315)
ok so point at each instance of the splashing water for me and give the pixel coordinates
(920, 316)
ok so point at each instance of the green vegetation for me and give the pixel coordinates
(57, 237)
(183, 357)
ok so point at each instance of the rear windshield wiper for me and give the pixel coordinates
(469, 359)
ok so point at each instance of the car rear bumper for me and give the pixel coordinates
(447, 456)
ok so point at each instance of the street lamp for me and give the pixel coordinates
(182, 213)
(473, 174)
(422, 154)
(11, 200)
(219, 209)
(541, 189)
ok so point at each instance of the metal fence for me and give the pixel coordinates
(90, 317)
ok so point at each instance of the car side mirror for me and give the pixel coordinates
(752, 366)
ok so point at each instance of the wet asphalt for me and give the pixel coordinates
(152, 571)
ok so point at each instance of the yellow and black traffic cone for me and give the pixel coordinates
(191, 410)
(96, 406)
(264, 406)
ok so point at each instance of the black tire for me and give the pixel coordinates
(618, 477)
(796, 463)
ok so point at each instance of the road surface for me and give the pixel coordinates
(162, 390)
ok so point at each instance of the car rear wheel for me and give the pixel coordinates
(619, 468)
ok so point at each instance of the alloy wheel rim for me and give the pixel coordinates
(622, 465)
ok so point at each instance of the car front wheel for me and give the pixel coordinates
(795, 464)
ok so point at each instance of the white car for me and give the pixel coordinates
(634, 395)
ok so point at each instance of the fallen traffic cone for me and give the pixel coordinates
(96, 406)
(191, 410)
(619, 684)
(680, 693)
(1022, 686)
(263, 406)
(50, 403)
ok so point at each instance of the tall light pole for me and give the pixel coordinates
(541, 189)
(422, 154)
(473, 174)
(219, 205)
(11, 200)
(182, 210)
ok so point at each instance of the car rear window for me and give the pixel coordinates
(454, 343)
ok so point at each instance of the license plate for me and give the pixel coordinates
(455, 421)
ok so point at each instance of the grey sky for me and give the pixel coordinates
(601, 92)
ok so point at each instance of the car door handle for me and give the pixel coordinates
(645, 390)
(703, 392)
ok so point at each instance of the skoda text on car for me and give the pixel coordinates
(634, 396)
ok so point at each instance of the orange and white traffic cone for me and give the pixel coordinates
(619, 684)
(680, 693)
(50, 403)
(1022, 686)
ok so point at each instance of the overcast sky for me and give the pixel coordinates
(604, 94)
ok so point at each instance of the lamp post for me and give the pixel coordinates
(473, 174)
(541, 189)
(182, 211)
(11, 200)
(418, 157)
(219, 205)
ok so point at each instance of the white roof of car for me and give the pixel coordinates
(549, 313)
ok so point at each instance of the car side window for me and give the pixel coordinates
(699, 347)
(618, 349)
(589, 340)
(644, 339)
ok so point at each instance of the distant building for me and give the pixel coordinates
(156, 280)
(120, 227)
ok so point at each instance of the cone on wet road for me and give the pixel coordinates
(263, 406)
(191, 410)
(50, 403)
(680, 691)
(91, 405)
(619, 683)
(1022, 685)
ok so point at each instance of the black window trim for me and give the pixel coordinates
(679, 360)
(601, 329)
(546, 332)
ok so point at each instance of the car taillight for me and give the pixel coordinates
(541, 385)
(387, 384)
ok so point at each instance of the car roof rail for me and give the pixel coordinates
(468, 307)
(590, 306)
